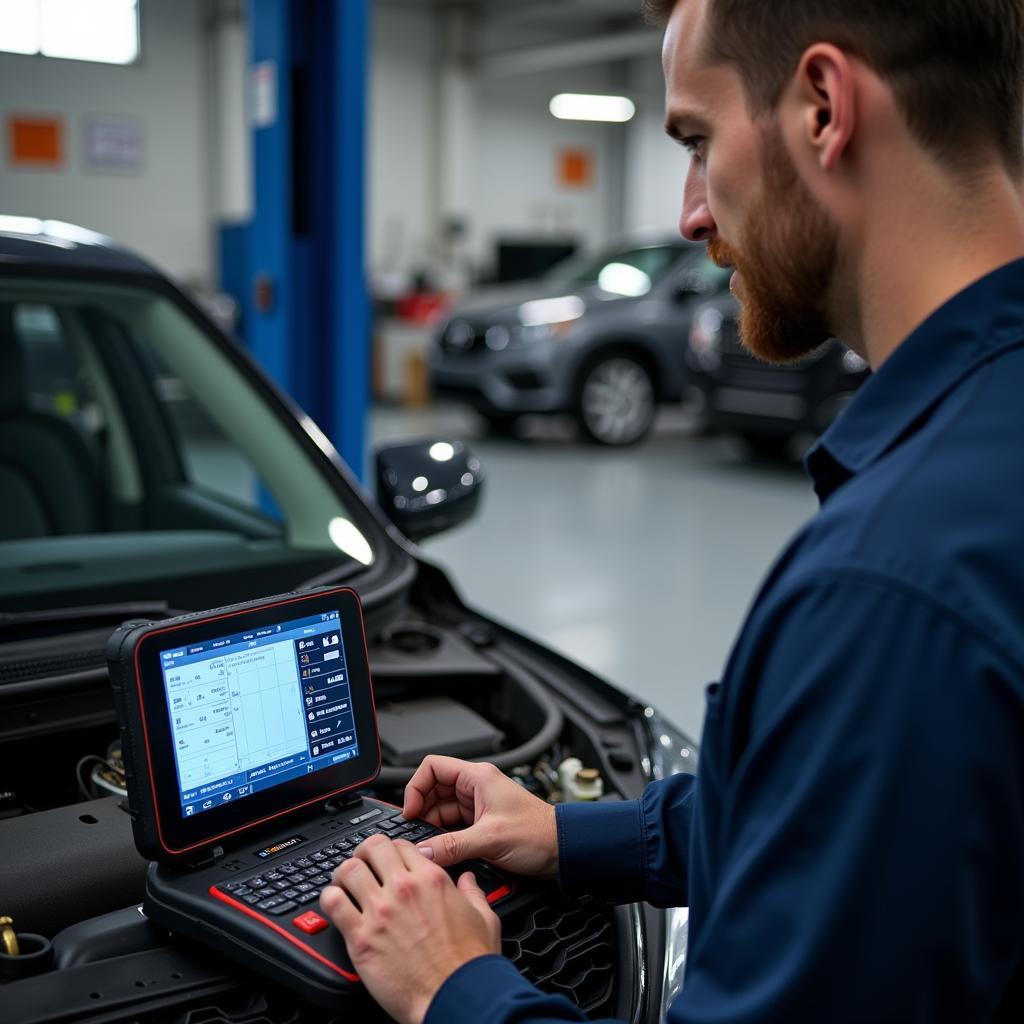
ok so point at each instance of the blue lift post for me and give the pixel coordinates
(310, 317)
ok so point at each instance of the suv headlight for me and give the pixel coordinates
(671, 753)
(549, 318)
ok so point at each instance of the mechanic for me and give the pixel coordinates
(852, 848)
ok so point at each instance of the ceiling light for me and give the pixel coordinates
(571, 106)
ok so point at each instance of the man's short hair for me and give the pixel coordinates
(955, 66)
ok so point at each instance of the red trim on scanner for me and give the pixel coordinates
(286, 810)
(293, 939)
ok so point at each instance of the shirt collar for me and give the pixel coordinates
(969, 329)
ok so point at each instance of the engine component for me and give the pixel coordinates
(435, 725)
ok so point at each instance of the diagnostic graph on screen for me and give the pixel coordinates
(235, 712)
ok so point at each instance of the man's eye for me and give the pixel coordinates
(693, 144)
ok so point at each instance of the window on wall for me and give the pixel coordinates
(106, 31)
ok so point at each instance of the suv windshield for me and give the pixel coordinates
(138, 461)
(640, 268)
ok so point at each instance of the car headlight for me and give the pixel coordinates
(545, 319)
(671, 753)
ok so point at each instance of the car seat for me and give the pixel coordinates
(49, 473)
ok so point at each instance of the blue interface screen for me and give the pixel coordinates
(253, 710)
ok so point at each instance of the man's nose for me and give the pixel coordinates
(696, 222)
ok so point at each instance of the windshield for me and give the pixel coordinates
(628, 272)
(137, 461)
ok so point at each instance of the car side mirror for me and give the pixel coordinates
(428, 486)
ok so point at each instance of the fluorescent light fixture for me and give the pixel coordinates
(573, 106)
(551, 311)
(106, 31)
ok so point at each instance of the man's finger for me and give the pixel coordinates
(356, 878)
(411, 857)
(467, 885)
(380, 853)
(435, 771)
(453, 847)
(339, 908)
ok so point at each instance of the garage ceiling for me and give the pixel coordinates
(553, 20)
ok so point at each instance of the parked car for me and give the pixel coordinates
(602, 339)
(116, 506)
(765, 404)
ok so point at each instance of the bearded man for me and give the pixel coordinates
(852, 847)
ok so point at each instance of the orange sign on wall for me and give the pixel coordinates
(575, 168)
(35, 141)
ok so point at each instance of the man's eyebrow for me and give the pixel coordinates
(681, 123)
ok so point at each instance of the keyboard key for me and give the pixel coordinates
(317, 857)
(389, 826)
(285, 883)
(256, 881)
(273, 876)
(303, 862)
(251, 898)
(310, 872)
(266, 891)
(308, 897)
(310, 922)
(269, 904)
(234, 887)
(290, 894)
(304, 887)
(320, 880)
(283, 908)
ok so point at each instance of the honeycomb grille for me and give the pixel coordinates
(567, 949)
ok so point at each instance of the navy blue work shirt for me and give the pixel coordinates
(852, 848)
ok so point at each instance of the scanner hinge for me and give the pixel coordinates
(342, 803)
(205, 858)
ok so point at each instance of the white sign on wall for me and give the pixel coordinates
(263, 94)
(113, 143)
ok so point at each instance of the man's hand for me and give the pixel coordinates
(406, 926)
(507, 825)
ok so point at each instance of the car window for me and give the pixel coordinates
(630, 272)
(122, 419)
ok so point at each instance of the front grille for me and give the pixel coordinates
(567, 949)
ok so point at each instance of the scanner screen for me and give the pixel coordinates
(253, 710)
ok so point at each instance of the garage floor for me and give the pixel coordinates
(639, 563)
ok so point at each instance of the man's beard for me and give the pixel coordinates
(788, 260)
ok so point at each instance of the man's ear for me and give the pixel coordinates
(824, 90)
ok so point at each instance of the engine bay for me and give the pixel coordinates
(445, 683)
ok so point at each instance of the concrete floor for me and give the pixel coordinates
(639, 564)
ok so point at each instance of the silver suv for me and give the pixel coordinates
(602, 339)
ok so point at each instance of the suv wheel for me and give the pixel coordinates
(615, 404)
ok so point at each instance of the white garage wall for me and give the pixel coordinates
(519, 142)
(402, 125)
(512, 189)
(655, 166)
(163, 211)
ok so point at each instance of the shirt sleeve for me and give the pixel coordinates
(871, 857)
(629, 851)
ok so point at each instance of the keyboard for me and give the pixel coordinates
(292, 884)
